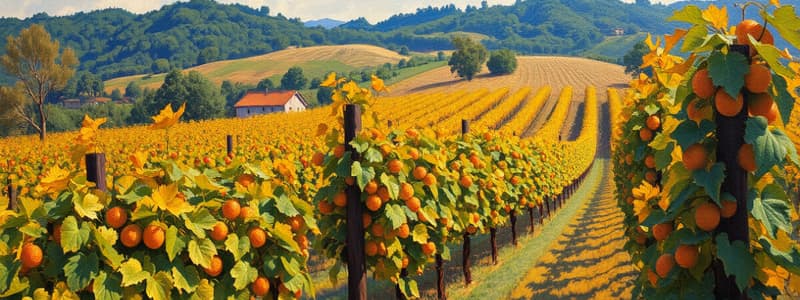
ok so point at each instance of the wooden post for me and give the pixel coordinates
(12, 196)
(440, 291)
(398, 293)
(464, 126)
(356, 263)
(465, 250)
(513, 218)
(530, 215)
(96, 170)
(493, 239)
(730, 135)
(229, 144)
(541, 212)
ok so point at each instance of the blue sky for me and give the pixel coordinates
(373, 10)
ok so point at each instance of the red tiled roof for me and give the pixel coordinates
(259, 98)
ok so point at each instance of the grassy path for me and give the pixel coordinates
(587, 261)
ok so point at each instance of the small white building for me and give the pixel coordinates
(258, 102)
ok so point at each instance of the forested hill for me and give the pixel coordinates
(114, 42)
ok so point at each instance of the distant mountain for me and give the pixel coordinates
(324, 23)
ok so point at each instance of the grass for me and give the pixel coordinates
(616, 46)
(489, 281)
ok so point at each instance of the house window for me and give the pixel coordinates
(248, 111)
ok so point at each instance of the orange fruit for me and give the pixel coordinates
(696, 113)
(350, 180)
(302, 241)
(653, 122)
(661, 231)
(338, 151)
(406, 191)
(695, 157)
(405, 262)
(465, 181)
(652, 277)
(747, 158)
(664, 264)
(374, 203)
(247, 212)
(728, 208)
(260, 286)
(651, 177)
(707, 216)
(403, 231)
(758, 79)
(383, 192)
(429, 248)
(318, 158)
(231, 209)
(340, 199)
(429, 179)
(773, 114)
(763, 105)
(702, 85)
(325, 207)
(297, 223)
(413, 204)
(215, 268)
(366, 219)
(650, 161)
(31, 255)
(726, 105)
(116, 217)
(57, 233)
(219, 232)
(419, 173)
(686, 256)
(377, 229)
(370, 248)
(257, 237)
(246, 179)
(645, 134)
(371, 187)
(753, 28)
(153, 236)
(395, 166)
(131, 235)
(413, 153)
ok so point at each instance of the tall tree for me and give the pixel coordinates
(203, 99)
(34, 60)
(633, 59)
(294, 79)
(468, 58)
(502, 61)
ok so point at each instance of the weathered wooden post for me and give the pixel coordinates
(229, 144)
(730, 136)
(513, 219)
(12, 196)
(96, 170)
(440, 291)
(465, 251)
(356, 263)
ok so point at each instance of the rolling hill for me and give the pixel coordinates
(315, 61)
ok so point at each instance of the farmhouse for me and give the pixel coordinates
(258, 102)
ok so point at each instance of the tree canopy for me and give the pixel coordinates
(502, 62)
(294, 79)
(468, 58)
(203, 99)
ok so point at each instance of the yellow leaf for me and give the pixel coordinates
(166, 118)
(671, 40)
(165, 197)
(377, 84)
(775, 2)
(718, 17)
(330, 81)
(55, 181)
(138, 159)
(322, 128)
(88, 122)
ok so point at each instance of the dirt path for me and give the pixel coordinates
(588, 260)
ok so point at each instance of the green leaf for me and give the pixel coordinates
(174, 243)
(236, 246)
(355, 169)
(81, 269)
(159, 286)
(690, 14)
(201, 251)
(664, 157)
(392, 185)
(695, 38)
(772, 210)
(105, 238)
(783, 99)
(204, 183)
(737, 260)
(395, 214)
(291, 266)
(132, 272)
(711, 180)
(772, 56)
(769, 146)
(205, 290)
(728, 71)
(199, 221)
(243, 274)
(408, 287)
(420, 233)
(785, 21)
(284, 206)
(790, 261)
(367, 174)
(9, 266)
(373, 156)
(107, 286)
(688, 133)
(72, 237)
(33, 229)
(283, 233)
(87, 206)
(184, 278)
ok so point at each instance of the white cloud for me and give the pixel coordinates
(345, 10)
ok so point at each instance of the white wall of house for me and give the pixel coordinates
(294, 104)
